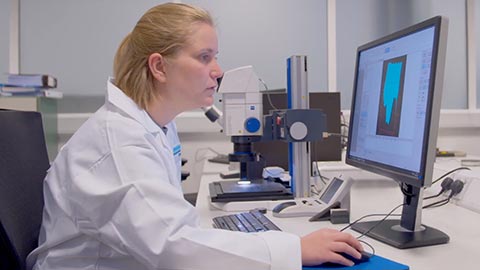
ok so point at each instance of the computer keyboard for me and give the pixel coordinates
(252, 221)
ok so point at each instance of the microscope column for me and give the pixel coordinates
(298, 152)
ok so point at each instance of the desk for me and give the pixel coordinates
(380, 196)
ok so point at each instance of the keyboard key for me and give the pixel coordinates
(253, 221)
(245, 223)
(258, 227)
(220, 223)
(240, 224)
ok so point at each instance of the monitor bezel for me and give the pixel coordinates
(424, 177)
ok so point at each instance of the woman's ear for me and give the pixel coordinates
(156, 64)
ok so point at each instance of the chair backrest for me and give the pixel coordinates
(23, 166)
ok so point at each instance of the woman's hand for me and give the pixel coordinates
(325, 245)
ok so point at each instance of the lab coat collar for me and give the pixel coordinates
(126, 104)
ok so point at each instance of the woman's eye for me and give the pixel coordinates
(205, 58)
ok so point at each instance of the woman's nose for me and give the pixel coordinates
(217, 71)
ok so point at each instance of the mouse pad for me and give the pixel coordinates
(375, 262)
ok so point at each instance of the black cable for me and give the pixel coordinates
(313, 146)
(373, 215)
(454, 170)
(437, 203)
(368, 244)
(434, 196)
(455, 188)
(442, 204)
(446, 185)
(322, 178)
(344, 140)
(380, 221)
(344, 120)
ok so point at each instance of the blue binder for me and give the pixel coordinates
(375, 262)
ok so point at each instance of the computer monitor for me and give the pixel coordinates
(394, 122)
(275, 153)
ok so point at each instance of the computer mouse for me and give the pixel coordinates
(365, 257)
(281, 206)
(299, 208)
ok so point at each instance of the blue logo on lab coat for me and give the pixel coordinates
(177, 150)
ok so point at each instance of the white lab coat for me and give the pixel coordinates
(113, 200)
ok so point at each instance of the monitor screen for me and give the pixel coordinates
(394, 123)
(395, 106)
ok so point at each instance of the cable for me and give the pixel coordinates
(343, 137)
(441, 204)
(455, 188)
(366, 243)
(268, 94)
(344, 130)
(317, 170)
(314, 190)
(380, 221)
(437, 203)
(343, 119)
(454, 170)
(446, 185)
(373, 215)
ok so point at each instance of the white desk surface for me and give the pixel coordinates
(380, 196)
(214, 168)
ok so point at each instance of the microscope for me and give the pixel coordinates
(243, 121)
(241, 118)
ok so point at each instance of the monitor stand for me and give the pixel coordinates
(407, 232)
(390, 232)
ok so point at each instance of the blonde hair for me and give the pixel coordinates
(163, 29)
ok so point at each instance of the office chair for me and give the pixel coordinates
(23, 166)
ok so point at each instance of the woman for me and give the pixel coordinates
(113, 198)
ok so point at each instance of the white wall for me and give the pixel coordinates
(359, 22)
(265, 33)
(5, 7)
(460, 130)
(76, 40)
(466, 140)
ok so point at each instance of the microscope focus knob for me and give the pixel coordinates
(252, 124)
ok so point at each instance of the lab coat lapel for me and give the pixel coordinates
(161, 143)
